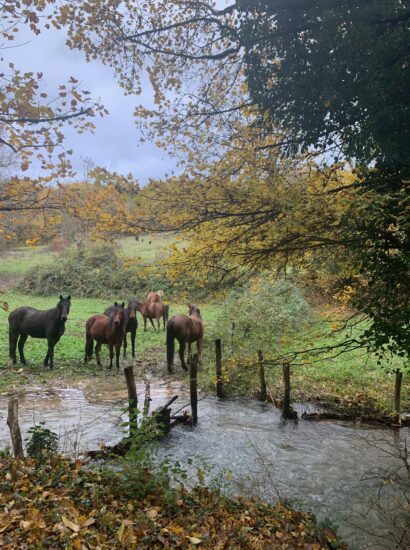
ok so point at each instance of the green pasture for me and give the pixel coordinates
(349, 380)
(21, 259)
(148, 247)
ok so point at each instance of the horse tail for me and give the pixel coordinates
(170, 344)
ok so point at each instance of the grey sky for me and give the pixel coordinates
(115, 144)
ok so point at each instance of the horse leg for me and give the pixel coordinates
(181, 352)
(111, 355)
(125, 345)
(22, 341)
(13, 337)
(97, 353)
(159, 324)
(152, 323)
(88, 353)
(133, 334)
(189, 353)
(199, 348)
(49, 358)
(117, 355)
(145, 324)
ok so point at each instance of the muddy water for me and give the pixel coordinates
(83, 417)
(330, 468)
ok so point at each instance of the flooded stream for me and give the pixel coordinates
(331, 468)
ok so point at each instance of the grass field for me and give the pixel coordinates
(350, 380)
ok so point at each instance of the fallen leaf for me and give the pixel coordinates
(194, 540)
(120, 532)
(88, 522)
(68, 523)
(152, 513)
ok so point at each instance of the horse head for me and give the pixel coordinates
(63, 307)
(132, 309)
(194, 310)
(118, 314)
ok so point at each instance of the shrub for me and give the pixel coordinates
(93, 270)
(41, 442)
(58, 244)
(264, 312)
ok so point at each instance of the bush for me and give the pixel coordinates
(264, 313)
(58, 244)
(94, 270)
(41, 442)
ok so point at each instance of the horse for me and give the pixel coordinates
(155, 296)
(131, 324)
(105, 330)
(186, 329)
(153, 310)
(27, 321)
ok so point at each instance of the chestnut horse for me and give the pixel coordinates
(186, 329)
(27, 321)
(153, 310)
(105, 330)
(131, 324)
(155, 296)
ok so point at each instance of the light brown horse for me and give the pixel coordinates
(155, 296)
(153, 310)
(106, 330)
(186, 329)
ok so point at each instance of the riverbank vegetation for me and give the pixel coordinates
(64, 504)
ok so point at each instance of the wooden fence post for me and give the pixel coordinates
(397, 395)
(193, 386)
(287, 411)
(13, 424)
(218, 367)
(132, 398)
(147, 397)
(262, 381)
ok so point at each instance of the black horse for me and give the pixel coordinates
(27, 321)
(131, 323)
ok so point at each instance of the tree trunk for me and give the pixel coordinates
(132, 398)
(218, 367)
(193, 368)
(13, 424)
(262, 381)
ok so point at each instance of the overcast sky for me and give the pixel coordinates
(115, 144)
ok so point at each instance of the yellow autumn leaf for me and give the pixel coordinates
(68, 523)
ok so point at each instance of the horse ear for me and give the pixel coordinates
(115, 303)
(69, 297)
(123, 305)
(61, 297)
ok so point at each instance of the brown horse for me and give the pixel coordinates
(155, 296)
(153, 310)
(131, 324)
(106, 330)
(186, 329)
